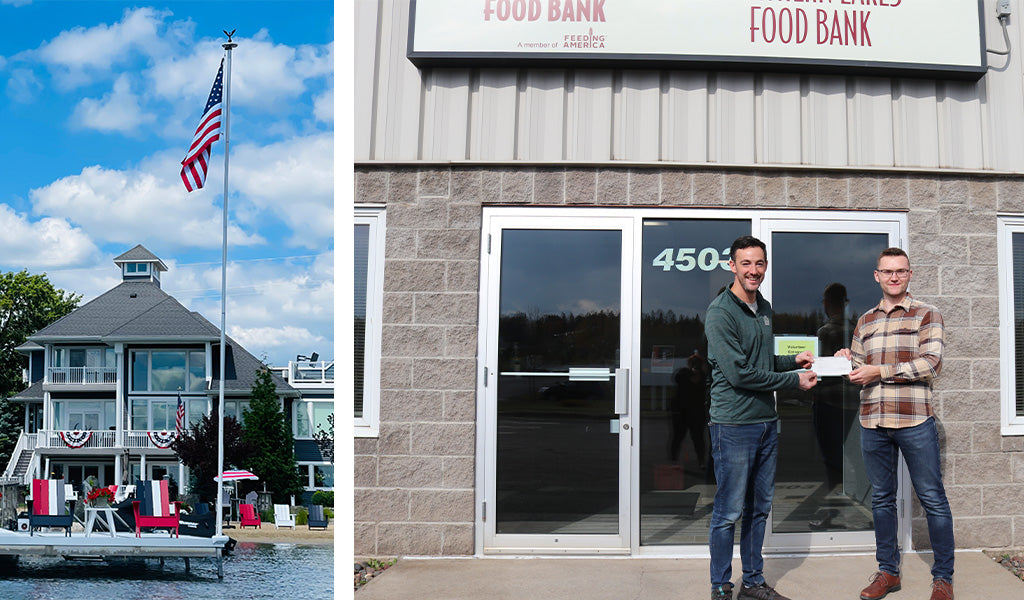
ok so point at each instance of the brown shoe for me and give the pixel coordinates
(942, 590)
(881, 584)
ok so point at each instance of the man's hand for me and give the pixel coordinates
(805, 359)
(808, 379)
(843, 353)
(866, 374)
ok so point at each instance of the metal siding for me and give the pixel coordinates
(602, 115)
(493, 118)
(778, 120)
(364, 80)
(637, 116)
(589, 101)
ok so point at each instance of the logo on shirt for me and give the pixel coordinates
(765, 319)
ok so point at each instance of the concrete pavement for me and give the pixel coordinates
(977, 577)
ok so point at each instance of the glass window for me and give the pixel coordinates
(140, 414)
(140, 371)
(197, 408)
(1011, 322)
(302, 420)
(369, 298)
(323, 475)
(163, 417)
(168, 371)
(196, 371)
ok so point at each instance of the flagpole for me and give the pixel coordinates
(228, 47)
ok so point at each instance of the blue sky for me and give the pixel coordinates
(98, 103)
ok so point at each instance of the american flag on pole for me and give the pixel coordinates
(197, 161)
(179, 417)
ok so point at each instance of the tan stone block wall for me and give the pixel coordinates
(414, 485)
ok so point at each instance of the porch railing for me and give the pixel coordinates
(103, 439)
(81, 375)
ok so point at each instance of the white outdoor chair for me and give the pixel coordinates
(283, 517)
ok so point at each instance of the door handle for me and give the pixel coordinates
(621, 391)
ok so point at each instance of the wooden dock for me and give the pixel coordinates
(123, 544)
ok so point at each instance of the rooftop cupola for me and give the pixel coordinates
(139, 264)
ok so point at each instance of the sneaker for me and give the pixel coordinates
(881, 584)
(760, 592)
(942, 590)
(722, 592)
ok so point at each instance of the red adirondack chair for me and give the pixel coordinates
(249, 516)
(153, 508)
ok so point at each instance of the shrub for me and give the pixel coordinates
(301, 516)
(267, 516)
(323, 498)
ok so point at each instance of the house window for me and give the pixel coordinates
(136, 268)
(160, 414)
(369, 300)
(83, 415)
(1011, 322)
(317, 476)
(311, 416)
(168, 370)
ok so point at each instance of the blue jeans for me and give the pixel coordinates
(745, 458)
(920, 448)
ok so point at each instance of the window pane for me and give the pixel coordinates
(196, 410)
(108, 415)
(168, 371)
(323, 475)
(302, 419)
(360, 277)
(140, 371)
(163, 415)
(322, 410)
(140, 418)
(197, 371)
(1018, 319)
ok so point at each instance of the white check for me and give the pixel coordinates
(831, 366)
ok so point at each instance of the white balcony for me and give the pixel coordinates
(310, 373)
(81, 375)
(98, 440)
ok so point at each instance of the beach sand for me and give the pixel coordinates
(268, 534)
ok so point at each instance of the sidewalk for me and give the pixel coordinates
(801, 578)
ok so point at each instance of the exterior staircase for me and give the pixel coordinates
(21, 459)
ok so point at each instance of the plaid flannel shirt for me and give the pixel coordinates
(906, 343)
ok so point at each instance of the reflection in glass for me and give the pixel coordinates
(684, 265)
(822, 282)
(557, 450)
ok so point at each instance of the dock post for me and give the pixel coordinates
(188, 565)
(220, 566)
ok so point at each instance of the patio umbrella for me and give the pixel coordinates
(237, 474)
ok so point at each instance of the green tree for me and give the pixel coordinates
(197, 448)
(270, 435)
(27, 304)
(325, 439)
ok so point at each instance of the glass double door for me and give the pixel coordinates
(595, 386)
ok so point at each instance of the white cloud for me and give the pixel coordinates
(294, 180)
(275, 307)
(124, 206)
(262, 77)
(77, 54)
(23, 85)
(48, 242)
(117, 111)
(323, 107)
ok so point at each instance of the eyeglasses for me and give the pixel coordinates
(901, 273)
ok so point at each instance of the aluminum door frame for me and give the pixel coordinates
(495, 220)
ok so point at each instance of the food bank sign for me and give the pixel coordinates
(943, 38)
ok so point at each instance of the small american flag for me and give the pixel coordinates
(179, 417)
(196, 162)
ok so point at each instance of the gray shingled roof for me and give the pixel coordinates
(140, 254)
(131, 310)
(32, 392)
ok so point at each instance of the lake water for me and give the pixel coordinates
(271, 571)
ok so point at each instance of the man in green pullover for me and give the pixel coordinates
(745, 373)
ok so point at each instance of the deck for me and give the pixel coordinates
(123, 544)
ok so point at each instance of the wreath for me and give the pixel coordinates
(162, 439)
(75, 439)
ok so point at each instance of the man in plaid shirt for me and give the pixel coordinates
(896, 353)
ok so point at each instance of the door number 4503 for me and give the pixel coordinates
(686, 259)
